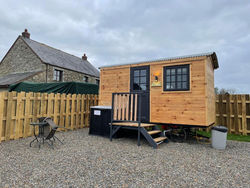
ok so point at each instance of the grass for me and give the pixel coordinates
(241, 138)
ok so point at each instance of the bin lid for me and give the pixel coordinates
(101, 107)
(220, 128)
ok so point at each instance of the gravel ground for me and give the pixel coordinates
(92, 161)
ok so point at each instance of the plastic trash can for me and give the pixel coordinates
(219, 137)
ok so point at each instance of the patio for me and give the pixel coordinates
(91, 161)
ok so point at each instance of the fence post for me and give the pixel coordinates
(228, 109)
(8, 117)
(87, 110)
(56, 106)
(73, 111)
(83, 111)
(244, 118)
(220, 110)
(2, 95)
(19, 110)
(62, 111)
(236, 111)
(27, 115)
(78, 101)
(68, 98)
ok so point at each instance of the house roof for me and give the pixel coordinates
(14, 78)
(211, 54)
(61, 59)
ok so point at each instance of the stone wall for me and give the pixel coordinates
(22, 59)
(69, 76)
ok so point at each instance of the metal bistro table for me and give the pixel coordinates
(40, 137)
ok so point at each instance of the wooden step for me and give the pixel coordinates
(159, 139)
(131, 124)
(154, 132)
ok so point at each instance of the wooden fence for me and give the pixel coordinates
(233, 111)
(17, 110)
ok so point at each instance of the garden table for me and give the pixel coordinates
(40, 136)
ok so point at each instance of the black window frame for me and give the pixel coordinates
(97, 82)
(58, 75)
(175, 67)
(139, 76)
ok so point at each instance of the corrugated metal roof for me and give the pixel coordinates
(212, 54)
(62, 59)
(13, 78)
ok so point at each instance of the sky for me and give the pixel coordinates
(123, 31)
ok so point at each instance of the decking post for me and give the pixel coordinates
(112, 112)
(139, 119)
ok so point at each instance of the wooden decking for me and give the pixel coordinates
(131, 124)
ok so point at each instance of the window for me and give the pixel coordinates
(176, 78)
(58, 75)
(86, 79)
(97, 81)
(140, 79)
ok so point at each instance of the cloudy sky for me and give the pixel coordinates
(116, 31)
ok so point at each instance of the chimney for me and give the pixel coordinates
(26, 34)
(84, 57)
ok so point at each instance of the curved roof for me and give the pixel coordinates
(211, 54)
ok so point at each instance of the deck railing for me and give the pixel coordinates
(126, 107)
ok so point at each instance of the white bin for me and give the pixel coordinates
(219, 137)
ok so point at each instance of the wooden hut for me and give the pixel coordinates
(177, 90)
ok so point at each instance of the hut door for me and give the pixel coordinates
(139, 81)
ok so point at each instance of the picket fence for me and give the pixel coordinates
(18, 110)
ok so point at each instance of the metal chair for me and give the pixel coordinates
(49, 131)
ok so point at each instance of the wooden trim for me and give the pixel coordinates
(170, 62)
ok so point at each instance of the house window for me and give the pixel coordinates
(86, 79)
(58, 75)
(97, 81)
(176, 78)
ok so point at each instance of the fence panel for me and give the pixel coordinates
(233, 111)
(18, 110)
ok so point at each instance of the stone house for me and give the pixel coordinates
(29, 60)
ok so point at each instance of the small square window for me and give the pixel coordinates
(143, 79)
(168, 72)
(173, 71)
(143, 87)
(143, 73)
(136, 73)
(172, 78)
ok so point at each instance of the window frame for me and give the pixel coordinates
(175, 67)
(86, 79)
(147, 78)
(57, 73)
(97, 82)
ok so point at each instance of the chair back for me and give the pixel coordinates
(49, 133)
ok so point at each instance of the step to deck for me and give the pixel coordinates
(159, 139)
(154, 132)
(130, 124)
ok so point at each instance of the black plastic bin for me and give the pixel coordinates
(100, 117)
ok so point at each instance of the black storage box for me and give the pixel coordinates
(100, 117)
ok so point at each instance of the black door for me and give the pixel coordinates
(139, 82)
